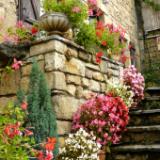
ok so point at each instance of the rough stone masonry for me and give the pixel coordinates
(72, 74)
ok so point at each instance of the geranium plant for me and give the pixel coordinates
(20, 33)
(122, 91)
(105, 116)
(135, 81)
(78, 146)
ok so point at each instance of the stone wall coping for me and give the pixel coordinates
(72, 44)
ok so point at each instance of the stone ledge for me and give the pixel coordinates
(72, 44)
(136, 148)
(139, 112)
(143, 128)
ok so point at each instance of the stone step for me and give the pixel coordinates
(135, 152)
(150, 102)
(142, 135)
(144, 117)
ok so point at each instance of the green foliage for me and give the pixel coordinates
(86, 36)
(41, 115)
(154, 5)
(18, 147)
(151, 75)
(66, 7)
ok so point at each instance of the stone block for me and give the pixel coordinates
(9, 83)
(25, 84)
(94, 86)
(93, 67)
(56, 80)
(26, 70)
(103, 87)
(65, 107)
(71, 53)
(85, 56)
(45, 47)
(85, 82)
(64, 127)
(4, 101)
(71, 89)
(54, 61)
(61, 141)
(75, 66)
(98, 76)
(79, 92)
(104, 66)
(89, 73)
(71, 79)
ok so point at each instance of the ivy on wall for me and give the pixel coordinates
(153, 4)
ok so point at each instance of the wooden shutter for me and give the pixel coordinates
(28, 10)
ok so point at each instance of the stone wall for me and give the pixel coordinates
(71, 72)
(7, 14)
(123, 12)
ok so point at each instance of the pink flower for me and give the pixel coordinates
(16, 64)
(76, 9)
(19, 24)
(28, 133)
(92, 2)
(24, 105)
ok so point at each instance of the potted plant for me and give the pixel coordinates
(62, 15)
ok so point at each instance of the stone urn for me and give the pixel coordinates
(54, 23)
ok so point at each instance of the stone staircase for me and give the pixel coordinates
(141, 141)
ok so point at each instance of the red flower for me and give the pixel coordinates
(24, 105)
(40, 155)
(34, 30)
(104, 43)
(98, 57)
(12, 130)
(99, 34)
(100, 25)
(50, 144)
(123, 58)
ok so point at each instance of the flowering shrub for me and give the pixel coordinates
(110, 38)
(122, 91)
(103, 115)
(135, 81)
(80, 145)
(14, 138)
(16, 142)
(20, 33)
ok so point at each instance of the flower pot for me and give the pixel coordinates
(54, 23)
(102, 155)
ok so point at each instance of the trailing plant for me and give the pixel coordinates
(103, 115)
(135, 81)
(20, 34)
(86, 36)
(41, 115)
(78, 146)
(122, 91)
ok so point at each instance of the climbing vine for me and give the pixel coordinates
(153, 4)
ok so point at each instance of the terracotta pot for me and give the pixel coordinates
(54, 23)
(102, 155)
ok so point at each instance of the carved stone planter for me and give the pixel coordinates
(54, 23)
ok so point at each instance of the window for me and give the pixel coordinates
(28, 10)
